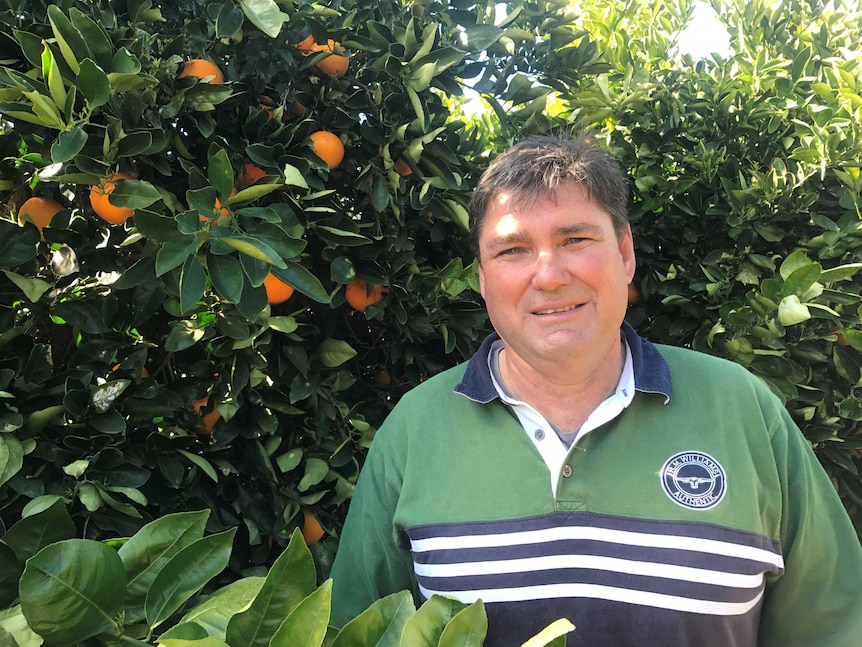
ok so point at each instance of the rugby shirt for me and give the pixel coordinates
(698, 516)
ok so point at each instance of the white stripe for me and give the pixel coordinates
(621, 537)
(531, 564)
(595, 591)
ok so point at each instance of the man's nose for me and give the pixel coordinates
(550, 271)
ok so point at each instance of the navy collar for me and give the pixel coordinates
(652, 374)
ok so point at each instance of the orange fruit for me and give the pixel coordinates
(202, 69)
(333, 65)
(39, 210)
(249, 175)
(634, 294)
(328, 147)
(312, 531)
(358, 295)
(102, 205)
(208, 419)
(277, 291)
(305, 44)
(402, 168)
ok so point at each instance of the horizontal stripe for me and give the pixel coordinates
(557, 562)
(650, 540)
(643, 598)
(588, 548)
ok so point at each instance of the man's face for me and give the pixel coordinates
(554, 276)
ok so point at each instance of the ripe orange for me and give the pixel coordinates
(312, 531)
(328, 147)
(358, 296)
(634, 294)
(277, 291)
(102, 205)
(249, 175)
(305, 44)
(333, 65)
(208, 419)
(201, 68)
(402, 168)
(39, 210)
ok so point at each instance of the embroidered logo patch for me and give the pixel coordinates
(694, 480)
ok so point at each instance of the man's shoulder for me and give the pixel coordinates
(694, 367)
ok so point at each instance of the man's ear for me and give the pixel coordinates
(627, 251)
(481, 280)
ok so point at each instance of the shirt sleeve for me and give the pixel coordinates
(370, 562)
(818, 598)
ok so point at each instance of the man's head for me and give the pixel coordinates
(538, 166)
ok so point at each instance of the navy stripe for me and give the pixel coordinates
(692, 559)
(691, 529)
(662, 586)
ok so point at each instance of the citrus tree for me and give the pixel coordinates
(747, 214)
(232, 235)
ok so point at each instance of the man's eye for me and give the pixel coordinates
(510, 251)
(574, 240)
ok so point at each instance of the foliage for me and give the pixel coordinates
(145, 590)
(117, 339)
(747, 193)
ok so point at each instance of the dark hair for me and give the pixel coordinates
(536, 167)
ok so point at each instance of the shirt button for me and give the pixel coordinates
(539, 434)
(567, 471)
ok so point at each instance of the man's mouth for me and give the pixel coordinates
(551, 311)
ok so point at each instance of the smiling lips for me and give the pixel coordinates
(552, 311)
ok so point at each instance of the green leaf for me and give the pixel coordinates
(149, 549)
(96, 39)
(202, 463)
(793, 262)
(226, 274)
(51, 72)
(479, 37)
(315, 471)
(380, 624)
(554, 631)
(254, 248)
(215, 612)
(33, 289)
(92, 82)
(426, 626)
(334, 352)
(209, 641)
(17, 244)
(72, 590)
(68, 144)
(290, 580)
(173, 254)
(467, 629)
(134, 194)
(11, 457)
(840, 273)
(193, 282)
(69, 39)
(306, 625)
(800, 280)
(294, 177)
(265, 15)
(185, 574)
(300, 278)
(9, 575)
(854, 338)
(220, 174)
(792, 311)
(81, 315)
(31, 534)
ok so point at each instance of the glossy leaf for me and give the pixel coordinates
(153, 546)
(264, 14)
(215, 612)
(31, 534)
(467, 629)
(307, 623)
(290, 580)
(426, 626)
(72, 590)
(185, 574)
(380, 625)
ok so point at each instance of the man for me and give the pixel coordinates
(651, 495)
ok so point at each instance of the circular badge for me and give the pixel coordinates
(694, 480)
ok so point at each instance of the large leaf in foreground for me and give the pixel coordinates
(72, 590)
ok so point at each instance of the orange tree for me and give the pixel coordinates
(144, 367)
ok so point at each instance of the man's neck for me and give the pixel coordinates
(565, 395)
